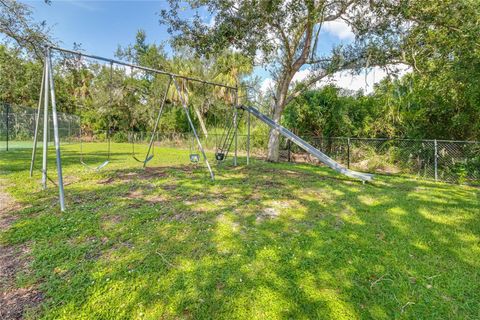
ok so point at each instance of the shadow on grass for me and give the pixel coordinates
(264, 241)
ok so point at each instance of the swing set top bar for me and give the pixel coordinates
(141, 67)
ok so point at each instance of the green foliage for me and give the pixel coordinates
(119, 137)
(259, 136)
(414, 106)
(20, 78)
(21, 29)
(124, 99)
(323, 112)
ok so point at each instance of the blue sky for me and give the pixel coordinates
(100, 26)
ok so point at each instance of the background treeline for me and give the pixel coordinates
(413, 106)
(122, 99)
(441, 102)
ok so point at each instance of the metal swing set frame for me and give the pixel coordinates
(47, 99)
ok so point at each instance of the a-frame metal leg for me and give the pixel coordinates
(248, 138)
(55, 132)
(37, 120)
(185, 107)
(235, 126)
(45, 126)
(157, 122)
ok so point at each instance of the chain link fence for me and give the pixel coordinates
(17, 127)
(439, 160)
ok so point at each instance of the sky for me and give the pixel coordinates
(101, 26)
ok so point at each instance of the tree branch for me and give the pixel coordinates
(285, 41)
(343, 9)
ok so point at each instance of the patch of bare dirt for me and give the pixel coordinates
(13, 301)
(169, 187)
(112, 219)
(183, 216)
(147, 173)
(135, 194)
(154, 199)
(106, 181)
(374, 165)
(267, 213)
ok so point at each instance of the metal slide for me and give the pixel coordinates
(308, 147)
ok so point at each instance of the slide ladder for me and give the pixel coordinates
(223, 147)
(307, 146)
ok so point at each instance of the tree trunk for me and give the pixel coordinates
(274, 140)
(282, 91)
(281, 97)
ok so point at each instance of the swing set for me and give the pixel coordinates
(48, 98)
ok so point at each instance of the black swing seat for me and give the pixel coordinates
(194, 157)
(219, 156)
(143, 161)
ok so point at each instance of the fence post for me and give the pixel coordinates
(289, 149)
(435, 158)
(248, 138)
(348, 152)
(7, 122)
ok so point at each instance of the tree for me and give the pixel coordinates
(323, 112)
(285, 35)
(20, 78)
(17, 23)
(441, 99)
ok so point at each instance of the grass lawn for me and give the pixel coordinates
(264, 241)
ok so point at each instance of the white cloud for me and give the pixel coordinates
(301, 75)
(345, 79)
(340, 29)
(267, 85)
(83, 5)
(364, 81)
(211, 22)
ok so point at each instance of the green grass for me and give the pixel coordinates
(17, 144)
(264, 241)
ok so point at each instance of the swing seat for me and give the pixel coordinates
(103, 165)
(98, 168)
(149, 158)
(220, 156)
(143, 161)
(194, 157)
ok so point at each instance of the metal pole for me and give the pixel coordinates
(248, 138)
(435, 158)
(185, 108)
(45, 126)
(55, 133)
(157, 121)
(235, 126)
(348, 153)
(37, 120)
(289, 148)
(81, 54)
(7, 122)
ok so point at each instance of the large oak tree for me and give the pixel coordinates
(285, 35)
